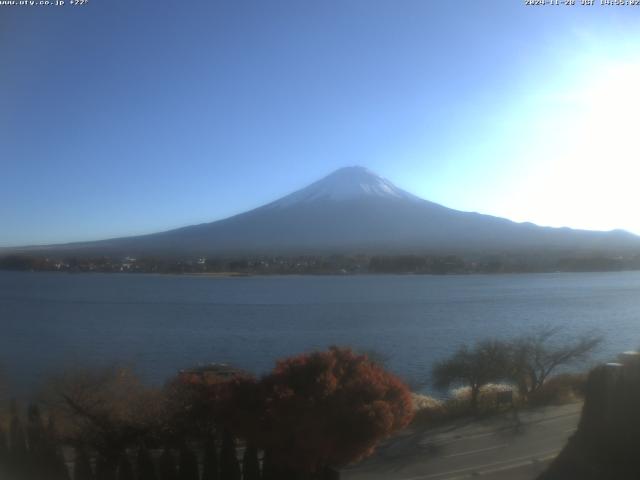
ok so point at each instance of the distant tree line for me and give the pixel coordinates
(331, 264)
(418, 264)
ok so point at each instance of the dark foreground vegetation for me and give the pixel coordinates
(526, 362)
(491, 376)
(332, 264)
(312, 414)
(605, 446)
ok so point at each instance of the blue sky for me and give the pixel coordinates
(120, 117)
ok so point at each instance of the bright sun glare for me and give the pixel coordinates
(586, 155)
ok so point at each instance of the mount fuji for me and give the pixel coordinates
(354, 210)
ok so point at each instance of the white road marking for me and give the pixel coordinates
(480, 450)
(517, 465)
(504, 464)
(459, 439)
(449, 441)
(502, 469)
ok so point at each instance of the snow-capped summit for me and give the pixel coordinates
(346, 184)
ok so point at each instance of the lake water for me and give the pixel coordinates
(51, 321)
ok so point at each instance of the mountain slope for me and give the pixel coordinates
(355, 210)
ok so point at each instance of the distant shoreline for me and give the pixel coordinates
(334, 264)
(328, 274)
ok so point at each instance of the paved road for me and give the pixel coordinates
(513, 446)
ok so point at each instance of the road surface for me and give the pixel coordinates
(513, 446)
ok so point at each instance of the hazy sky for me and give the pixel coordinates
(123, 117)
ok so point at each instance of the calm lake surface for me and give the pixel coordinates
(52, 321)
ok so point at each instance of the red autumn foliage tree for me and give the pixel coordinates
(324, 409)
(199, 405)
